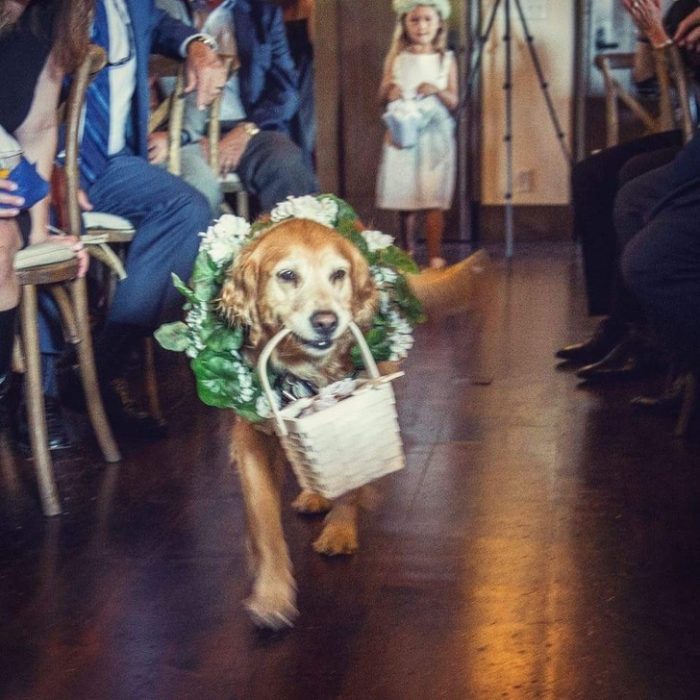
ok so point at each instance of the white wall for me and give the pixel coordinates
(539, 164)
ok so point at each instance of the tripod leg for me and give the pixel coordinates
(544, 85)
(508, 136)
(476, 65)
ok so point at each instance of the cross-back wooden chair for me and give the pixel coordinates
(669, 70)
(229, 183)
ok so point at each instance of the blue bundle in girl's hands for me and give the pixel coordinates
(30, 184)
(15, 167)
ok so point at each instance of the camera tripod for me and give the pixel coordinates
(475, 65)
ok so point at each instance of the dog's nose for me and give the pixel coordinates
(324, 322)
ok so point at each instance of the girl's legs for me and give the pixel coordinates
(407, 230)
(9, 295)
(434, 225)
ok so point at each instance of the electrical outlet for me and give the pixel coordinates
(525, 181)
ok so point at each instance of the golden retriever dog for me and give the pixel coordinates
(304, 276)
(308, 278)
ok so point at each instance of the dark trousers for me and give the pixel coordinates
(661, 263)
(273, 168)
(168, 215)
(595, 182)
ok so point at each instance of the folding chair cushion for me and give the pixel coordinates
(102, 220)
(46, 253)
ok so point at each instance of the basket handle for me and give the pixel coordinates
(367, 358)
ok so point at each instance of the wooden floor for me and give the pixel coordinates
(542, 543)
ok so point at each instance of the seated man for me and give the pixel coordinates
(595, 183)
(116, 178)
(258, 103)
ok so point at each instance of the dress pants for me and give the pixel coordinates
(595, 182)
(272, 168)
(661, 263)
(168, 215)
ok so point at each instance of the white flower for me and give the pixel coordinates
(376, 240)
(323, 211)
(225, 237)
(262, 406)
(383, 275)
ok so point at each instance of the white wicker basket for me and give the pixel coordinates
(345, 445)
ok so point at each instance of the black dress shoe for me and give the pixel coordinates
(669, 399)
(124, 414)
(605, 338)
(627, 360)
(55, 427)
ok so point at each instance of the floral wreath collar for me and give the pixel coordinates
(224, 377)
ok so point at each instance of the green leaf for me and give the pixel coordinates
(225, 339)
(182, 288)
(173, 336)
(398, 259)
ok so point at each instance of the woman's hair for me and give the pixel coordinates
(400, 41)
(65, 24)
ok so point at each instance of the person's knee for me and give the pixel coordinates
(281, 169)
(197, 173)
(642, 263)
(193, 209)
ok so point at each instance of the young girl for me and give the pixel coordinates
(421, 177)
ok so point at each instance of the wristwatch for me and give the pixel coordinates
(251, 128)
(203, 39)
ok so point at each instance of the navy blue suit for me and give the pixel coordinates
(272, 166)
(267, 76)
(167, 213)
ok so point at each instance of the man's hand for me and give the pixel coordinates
(231, 148)
(688, 32)
(157, 147)
(205, 73)
(12, 201)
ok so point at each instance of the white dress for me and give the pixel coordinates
(423, 176)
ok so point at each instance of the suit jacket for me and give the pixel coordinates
(154, 32)
(267, 77)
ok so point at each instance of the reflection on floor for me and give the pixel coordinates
(541, 543)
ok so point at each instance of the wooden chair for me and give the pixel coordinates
(669, 70)
(229, 183)
(106, 235)
(71, 296)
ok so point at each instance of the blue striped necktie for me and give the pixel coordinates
(94, 152)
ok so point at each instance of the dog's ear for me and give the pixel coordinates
(239, 292)
(364, 302)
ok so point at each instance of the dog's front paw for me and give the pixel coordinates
(273, 605)
(337, 538)
(310, 502)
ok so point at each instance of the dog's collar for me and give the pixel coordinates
(291, 388)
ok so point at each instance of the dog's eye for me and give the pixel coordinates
(288, 276)
(338, 275)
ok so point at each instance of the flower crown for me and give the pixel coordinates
(224, 376)
(402, 7)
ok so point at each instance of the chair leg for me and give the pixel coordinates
(88, 375)
(242, 204)
(36, 412)
(70, 327)
(688, 405)
(154, 407)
